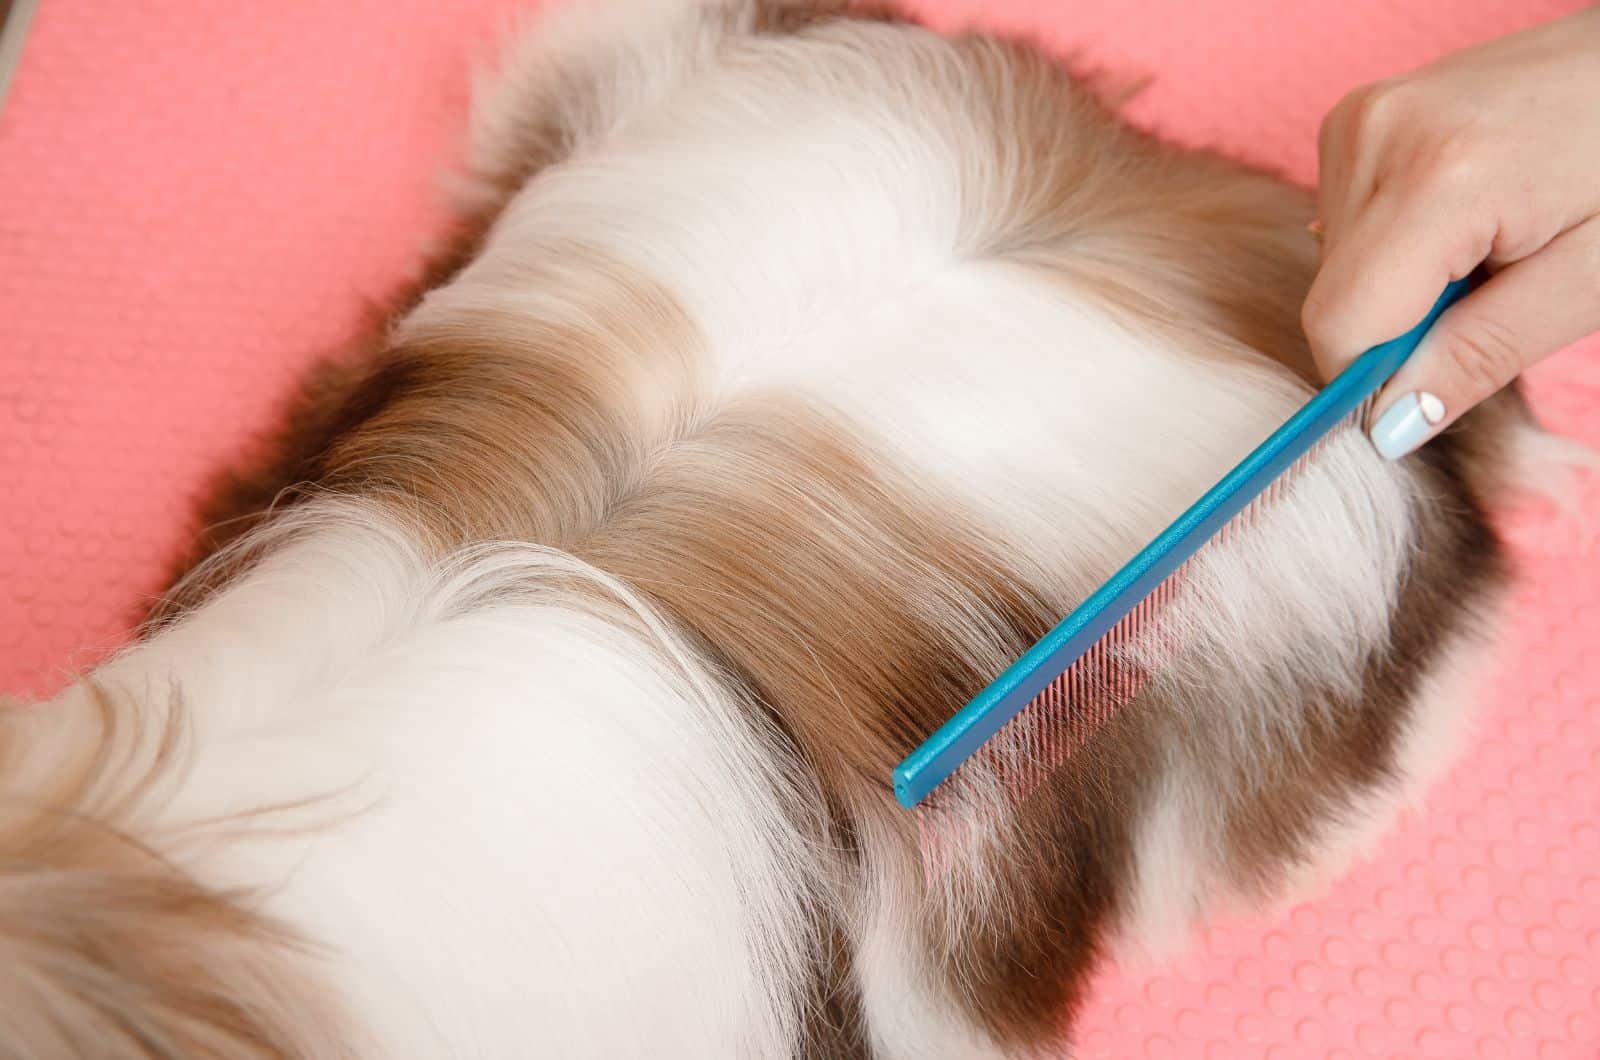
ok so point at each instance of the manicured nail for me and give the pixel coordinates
(1407, 424)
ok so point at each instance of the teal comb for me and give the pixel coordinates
(1031, 716)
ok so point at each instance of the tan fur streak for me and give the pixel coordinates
(507, 425)
(873, 613)
(106, 948)
(1112, 208)
(331, 397)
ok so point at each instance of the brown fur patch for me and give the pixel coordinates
(524, 428)
(1113, 209)
(1456, 563)
(334, 395)
(785, 17)
(874, 613)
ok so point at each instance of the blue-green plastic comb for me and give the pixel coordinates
(1051, 677)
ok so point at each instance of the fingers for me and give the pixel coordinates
(1526, 312)
(1384, 267)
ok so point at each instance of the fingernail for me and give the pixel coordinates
(1406, 424)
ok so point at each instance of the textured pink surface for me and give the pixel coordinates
(195, 196)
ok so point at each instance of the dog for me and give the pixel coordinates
(792, 368)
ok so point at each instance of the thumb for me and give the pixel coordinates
(1524, 313)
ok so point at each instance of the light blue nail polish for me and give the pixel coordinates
(1406, 424)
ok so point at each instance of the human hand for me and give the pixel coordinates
(1489, 156)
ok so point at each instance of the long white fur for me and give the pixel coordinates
(517, 809)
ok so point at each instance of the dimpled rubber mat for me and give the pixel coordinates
(195, 197)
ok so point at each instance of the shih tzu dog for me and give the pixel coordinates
(793, 368)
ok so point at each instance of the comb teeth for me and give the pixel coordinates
(1064, 717)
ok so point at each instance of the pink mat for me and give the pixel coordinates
(194, 196)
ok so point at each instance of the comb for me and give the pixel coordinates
(1050, 701)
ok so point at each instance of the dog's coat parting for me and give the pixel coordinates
(793, 371)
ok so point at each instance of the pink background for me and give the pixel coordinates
(196, 196)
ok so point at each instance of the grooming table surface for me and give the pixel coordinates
(195, 197)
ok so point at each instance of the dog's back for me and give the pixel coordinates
(793, 373)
